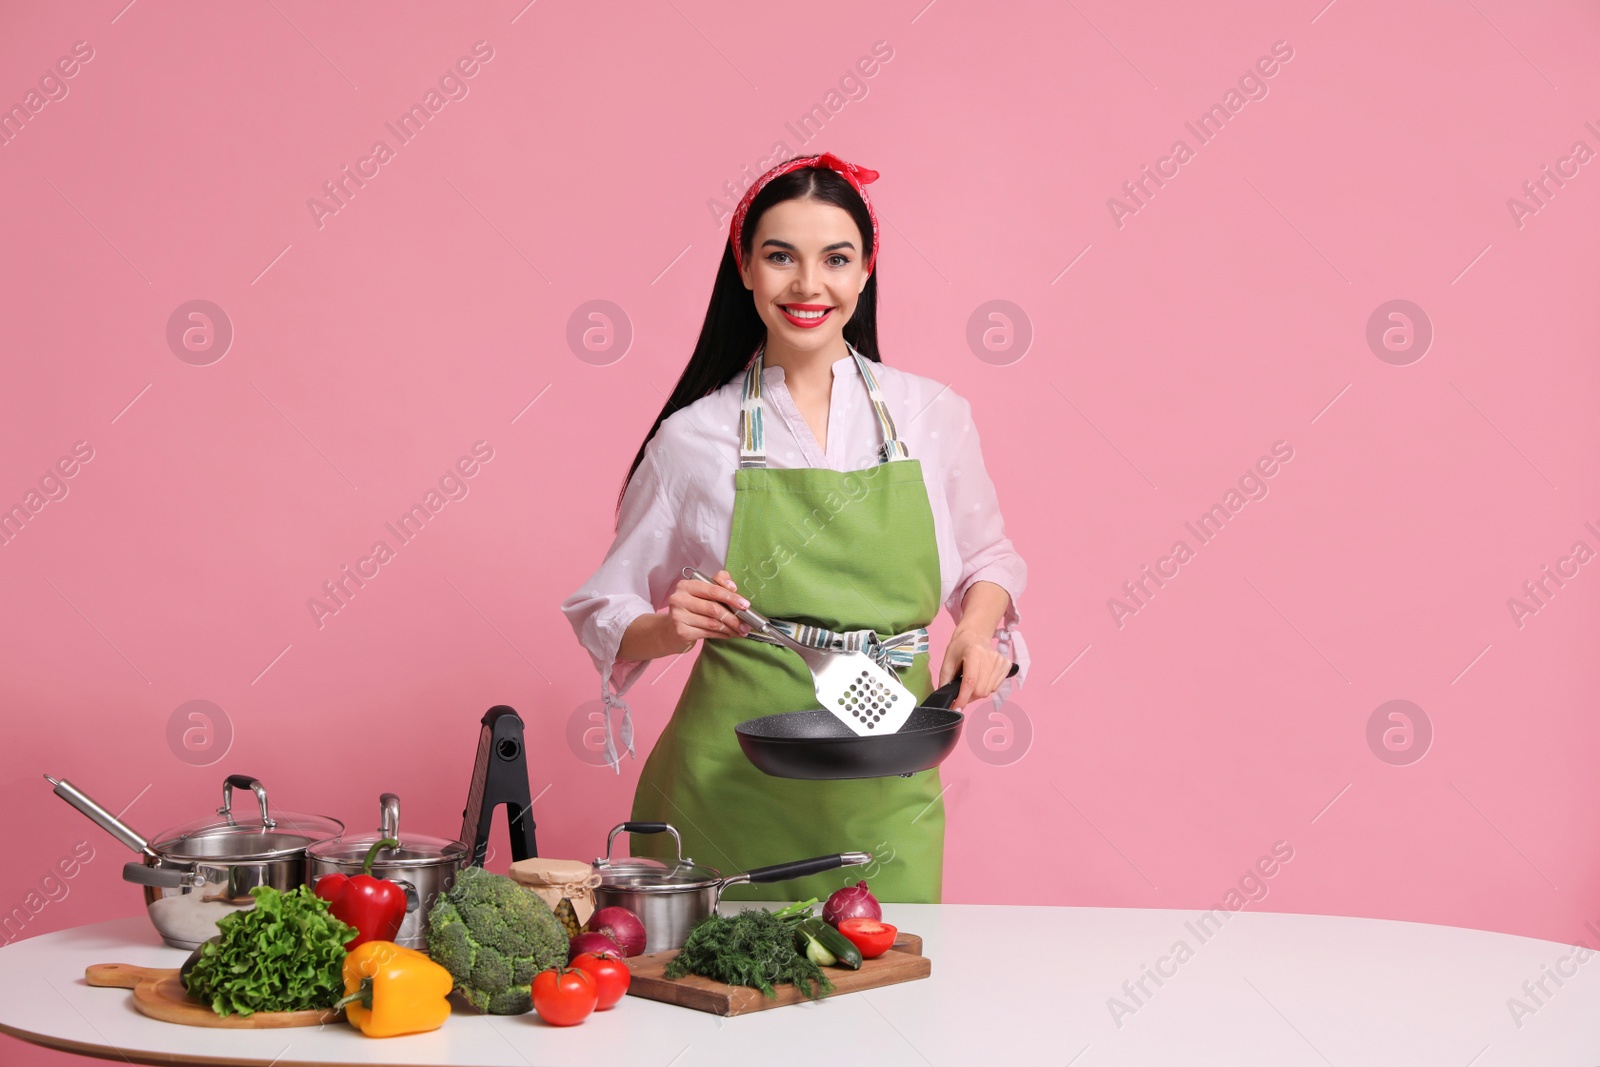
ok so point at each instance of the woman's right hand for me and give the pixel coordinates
(699, 609)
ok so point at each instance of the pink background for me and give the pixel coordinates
(586, 163)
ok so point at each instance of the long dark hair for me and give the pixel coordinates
(733, 328)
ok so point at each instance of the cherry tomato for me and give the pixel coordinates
(564, 996)
(611, 976)
(872, 937)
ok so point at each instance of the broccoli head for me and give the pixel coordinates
(493, 936)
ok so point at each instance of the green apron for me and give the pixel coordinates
(846, 551)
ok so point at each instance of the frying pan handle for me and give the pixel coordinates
(941, 697)
(782, 872)
(750, 616)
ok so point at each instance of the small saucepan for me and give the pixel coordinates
(816, 745)
(422, 865)
(670, 900)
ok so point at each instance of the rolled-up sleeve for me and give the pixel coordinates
(987, 554)
(635, 578)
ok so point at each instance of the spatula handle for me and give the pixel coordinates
(747, 615)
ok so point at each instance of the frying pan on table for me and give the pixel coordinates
(816, 745)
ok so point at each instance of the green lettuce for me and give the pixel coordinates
(284, 954)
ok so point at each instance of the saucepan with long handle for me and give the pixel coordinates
(197, 873)
(670, 900)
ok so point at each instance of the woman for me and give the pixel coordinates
(830, 490)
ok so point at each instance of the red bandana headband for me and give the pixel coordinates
(856, 176)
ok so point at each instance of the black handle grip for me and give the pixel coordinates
(643, 827)
(782, 872)
(941, 697)
(241, 781)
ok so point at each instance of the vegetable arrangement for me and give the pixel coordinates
(374, 906)
(826, 945)
(595, 981)
(753, 948)
(622, 926)
(564, 996)
(611, 976)
(285, 954)
(851, 902)
(870, 937)
(392, 990)
(494, 936)
(762, 948)
(589, 941)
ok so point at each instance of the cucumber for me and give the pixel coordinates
(830, 940)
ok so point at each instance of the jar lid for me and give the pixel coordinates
(542, 870)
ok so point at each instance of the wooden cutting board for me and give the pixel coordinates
(158, 993)
(902, 963)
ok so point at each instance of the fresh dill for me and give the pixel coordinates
(753, 948)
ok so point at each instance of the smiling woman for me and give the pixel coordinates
(850, 516)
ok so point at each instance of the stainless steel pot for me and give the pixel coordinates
(421, 865)
(670, 900)
(195, 874)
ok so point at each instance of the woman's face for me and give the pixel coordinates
(805, 271)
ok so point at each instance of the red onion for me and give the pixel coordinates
(621, 926)
(851, 902)
(591, 942)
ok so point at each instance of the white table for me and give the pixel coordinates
(1266, 988)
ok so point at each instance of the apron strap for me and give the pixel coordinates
(887, 652)
(752, 431)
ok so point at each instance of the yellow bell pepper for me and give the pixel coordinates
(391, 990)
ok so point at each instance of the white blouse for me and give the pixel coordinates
(678, 508)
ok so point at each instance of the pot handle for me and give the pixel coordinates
(641, 828)
(941, 697)
(413, 898)
(102, 818)
(245, 781)
(161, 877)
(782, 872)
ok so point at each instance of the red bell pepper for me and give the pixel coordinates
(374, 906)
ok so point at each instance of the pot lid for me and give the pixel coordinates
(414, 850)
(268, 834)
(644, 873)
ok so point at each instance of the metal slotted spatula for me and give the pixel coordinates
(865, 697)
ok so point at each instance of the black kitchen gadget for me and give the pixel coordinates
(499, 776)
(815, 745)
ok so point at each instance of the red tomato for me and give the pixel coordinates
(563, 996)
(872, 937)
(611, 976)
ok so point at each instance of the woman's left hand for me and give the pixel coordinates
(982, 667)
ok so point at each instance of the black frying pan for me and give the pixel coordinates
(816, 745)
